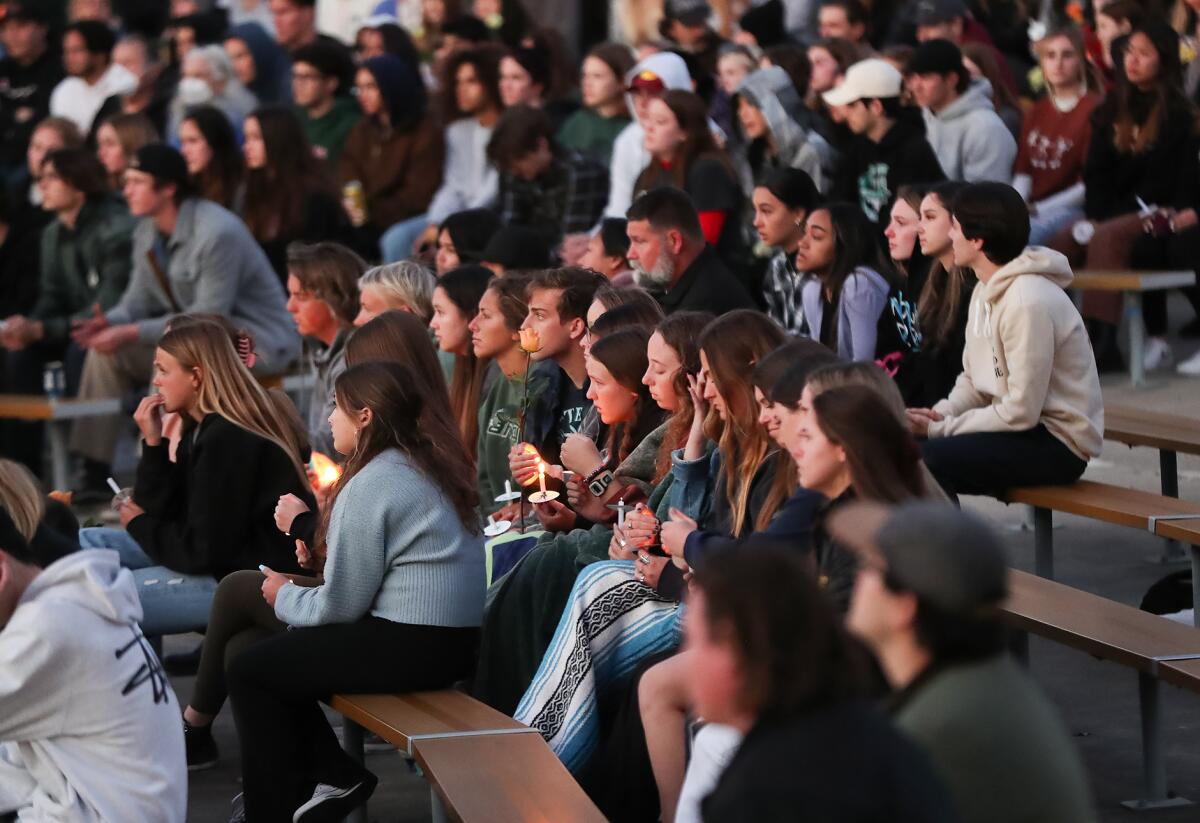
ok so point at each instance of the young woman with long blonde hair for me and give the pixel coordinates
(190, 522)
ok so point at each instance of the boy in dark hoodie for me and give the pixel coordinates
(889, 149)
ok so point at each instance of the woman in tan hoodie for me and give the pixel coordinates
(1027, 408)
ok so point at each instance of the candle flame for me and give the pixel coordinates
(324, 471)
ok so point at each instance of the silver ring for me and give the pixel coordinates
(645, 561)
(622, 542)
(641, 577)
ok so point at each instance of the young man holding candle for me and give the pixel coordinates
(558, 304)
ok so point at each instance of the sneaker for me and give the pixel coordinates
(1158, 354)
(238, 808)
(330, 804)
(1191, 366)
(200, 746)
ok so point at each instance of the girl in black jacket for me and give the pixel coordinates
(209, 512)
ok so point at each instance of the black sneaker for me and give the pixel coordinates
(331, 804)
(201, 748)
(92, 486)
(1191, 329)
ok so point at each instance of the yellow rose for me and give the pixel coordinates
(530, 342)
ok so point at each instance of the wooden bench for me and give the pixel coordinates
(1133, 284)
(1159, 650)
(482, 765)
(57, 414)
(1098, 501)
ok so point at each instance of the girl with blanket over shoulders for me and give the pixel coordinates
(398, 608)
(626, 610)
(525, 605)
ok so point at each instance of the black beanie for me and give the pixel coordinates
(518, 247)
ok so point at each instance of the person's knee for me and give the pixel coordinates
(235, 587)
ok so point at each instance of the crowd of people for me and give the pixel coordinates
(718, 309)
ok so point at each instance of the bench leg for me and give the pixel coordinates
(1154, 768)
(1168, 473)
(352, 744)
(1043, 543)
(437, 808)
(1137, 338)
(60, 458)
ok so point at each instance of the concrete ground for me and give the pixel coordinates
(1099, 701)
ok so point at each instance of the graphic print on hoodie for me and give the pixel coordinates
(870, 173)
(969, 138)
(89, 726)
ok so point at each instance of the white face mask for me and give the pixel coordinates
(194, 92)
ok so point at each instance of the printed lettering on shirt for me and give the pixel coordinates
(150, 671)
(873, 193)
(1046, 152)
(572, 419)
(503, 426)
(908, 325)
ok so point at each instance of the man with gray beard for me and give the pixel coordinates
(671, 259)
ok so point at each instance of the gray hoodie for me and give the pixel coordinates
(772, 92)
(90, 730)
(969, 138)
(1027, 359)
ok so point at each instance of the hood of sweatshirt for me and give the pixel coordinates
(271, 63)
(401, 88)
(1035, 261)
(94, 580)
(772, 92)
(977, 96)
(667, 66)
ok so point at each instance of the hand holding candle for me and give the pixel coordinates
(542, 496)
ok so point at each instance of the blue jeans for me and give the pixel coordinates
(172, 603)
(396, 244)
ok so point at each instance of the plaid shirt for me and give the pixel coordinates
(569, 196)
(781, 290)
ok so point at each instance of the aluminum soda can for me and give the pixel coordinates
(354, 193)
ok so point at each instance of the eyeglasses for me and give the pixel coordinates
(363, 88)
(306, 76)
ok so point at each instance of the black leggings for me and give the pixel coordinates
(992, 462)
(277, 686)
(239, 618)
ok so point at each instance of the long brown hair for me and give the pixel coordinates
(692, 115)
(393, 393)
(228, 389)
(399, 337)
(681, 331)
(464, 287)
(623, 353)
(941, 297)
(277, 195)
(883, 458)
(733, 344)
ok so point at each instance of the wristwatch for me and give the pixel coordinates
(599, 481)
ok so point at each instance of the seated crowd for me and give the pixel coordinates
(720, 336)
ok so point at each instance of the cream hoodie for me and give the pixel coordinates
(1027, 359)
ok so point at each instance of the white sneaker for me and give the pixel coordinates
(1158, 354)
(1191, 366)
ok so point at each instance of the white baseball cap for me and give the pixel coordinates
(866, 79)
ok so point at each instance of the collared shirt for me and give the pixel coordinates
(569, 196)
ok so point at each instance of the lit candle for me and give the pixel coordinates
(542, 477)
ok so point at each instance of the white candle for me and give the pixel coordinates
(491, 521)
(621, 513)
(542, 477)
(507, 488)
(112, 484)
